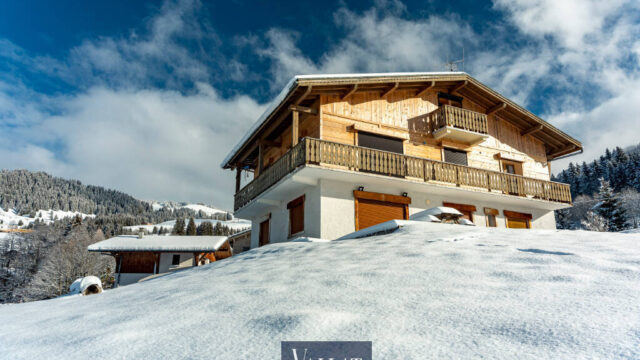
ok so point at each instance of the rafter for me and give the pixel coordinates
(459, 86)
(303, 96)
(390, 90)
(425, 89)
(562, 152)
(303, 109)
(532, 130)
(350, 92)
(495, 109)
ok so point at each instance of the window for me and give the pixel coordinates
(511, 167)
(175, 260)
(380, 142)
(491, 217)
(454, 156)
(296, 215)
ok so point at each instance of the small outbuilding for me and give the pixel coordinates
(240, 241)
(141, 257)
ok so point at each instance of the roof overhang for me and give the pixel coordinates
(303, 87)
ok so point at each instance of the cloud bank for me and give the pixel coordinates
(145, 112)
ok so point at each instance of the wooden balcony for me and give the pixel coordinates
(359, 159)
(459, 124)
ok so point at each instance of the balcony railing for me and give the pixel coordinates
(459, 118)
(360, 159)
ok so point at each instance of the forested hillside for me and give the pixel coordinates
(614, 177)
(28, 191)
(41, 263)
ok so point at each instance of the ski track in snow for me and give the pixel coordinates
(425, 291)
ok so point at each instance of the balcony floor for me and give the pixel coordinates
(309, 175)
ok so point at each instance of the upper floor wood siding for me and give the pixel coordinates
(402, 115)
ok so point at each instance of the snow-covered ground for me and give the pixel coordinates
(425, 291)
(10, 218)
(236, 224)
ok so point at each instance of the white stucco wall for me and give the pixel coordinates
(131, 278)
(279, 224)
(338, 209)
(330, 210)
(186, 260)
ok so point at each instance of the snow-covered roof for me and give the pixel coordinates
(291, 84)
(161, 243)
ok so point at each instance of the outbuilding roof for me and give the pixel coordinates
(159, 243)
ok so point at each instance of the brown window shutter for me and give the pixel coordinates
(296, 215)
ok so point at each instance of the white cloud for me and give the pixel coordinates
(151, 143)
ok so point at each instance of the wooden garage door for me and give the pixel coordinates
(517, 220)
(376, 208)
(515, 223)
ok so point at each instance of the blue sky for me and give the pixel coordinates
(148, 97)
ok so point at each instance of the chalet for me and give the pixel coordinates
(141, 257)
(338, 153)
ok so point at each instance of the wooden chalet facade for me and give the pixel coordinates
(360, 149)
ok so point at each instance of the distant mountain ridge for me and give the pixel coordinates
(27, 192)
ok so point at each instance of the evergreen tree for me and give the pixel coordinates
(155, 230)
(178, 227)
(191, 227)
(610, 209)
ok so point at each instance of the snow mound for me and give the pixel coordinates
(87, 285)
(424, 291)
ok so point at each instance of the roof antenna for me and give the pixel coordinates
(453, 65)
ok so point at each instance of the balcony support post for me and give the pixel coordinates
(238, 176)
(294, 128)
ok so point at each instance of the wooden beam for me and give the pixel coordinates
(350, 92)
(459, 86)
(562, 152)
(303, 109)
(271, 143)
(430, 86)
(390, 90)
(238, 175)
(260, 156)
(303, 96)
(532, 130)
(294, 128)
(495, 109)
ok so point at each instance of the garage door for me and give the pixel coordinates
(516, 220)
(376, 208)
(514, 223)
(371, 212)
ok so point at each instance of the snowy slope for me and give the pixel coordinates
(236, 224)
(208, 210)
(10, 219)
(425, 291)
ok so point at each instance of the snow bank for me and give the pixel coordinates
(160, 243)
(425, 291)
(87, 285)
